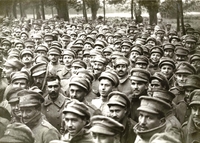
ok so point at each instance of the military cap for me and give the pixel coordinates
(79, 41)
(26, 51)
(100, 34)
(79, 63)
(76, 47)
(66, 37)
(151, 39)
(142, 60)
(29, 42)
(89, 42)
(36, 89)
(19, 42)
(101, 59)
(95, 52)
(17, 133)
(118, 98)
(172, 32)
(121, 61)
(137, 49)
(174, 37)
(185, 67)
(126, 43)
(81, 82)
(194, 97)
(160, 31)
(117, 41)
(157, 49)
(78, 108)
(140, 74)
(11, 95)
(159, 76)
(13, 53)
(140, 41)
(164, 95)
(4, 113)
(56, 43)
(100, 43)
(85, 73)
(116, 54)
(166, 61)
(41, 47)
(111, 75)
(24, 32)
(69, 52)
(189, 29)
(153, 105)
(38, 69)
(105, 27)
(194, 57)
(41, 59)
(37, 36)
(86, 52)
(47, 27)
(90, 37)
(29, 98)
(191, 38)
(105, 125)
(82, 33)
(48, 37)
(55, 50)
(5, 41)
(19, 75)
(107, 49)
(179, 50)
(168, 46)
(146, 48)
(14, 63)
(192, 81)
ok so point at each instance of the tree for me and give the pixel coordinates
(94, 5)
(168, 9)
(152, 8)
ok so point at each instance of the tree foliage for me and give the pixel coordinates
(168, 9)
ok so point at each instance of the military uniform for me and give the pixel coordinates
(53, 110)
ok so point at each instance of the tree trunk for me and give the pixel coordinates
(177, 17)
(21, 9)
(104, 12)
(42, 9)
(85, 12)
(152, 15)
(14, 8)
(61, 9)
(182, 18)
(38, 15)
(131, 9)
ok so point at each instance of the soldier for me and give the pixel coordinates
(5, 118)
(105, 129)
(169, 50)
(139, 83)
(119, 106)
(54, 55)
(54, 102)
(136, 51)
(30, 106)
(195, 62)
(151, 118)
(76, 118)
(126, 47)
(20, 79)
(41, 50)
(108, 80)
(182, 108)
(190, 44)
(19, 45)
(121, 66)
(27, 56)
(77, 65)
(17, 132)
(6, 45)
(181, 54)
(191, 128)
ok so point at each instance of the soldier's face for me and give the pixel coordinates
(117, 112)
(102, 138)
(20, 83)
(181, 78)
(67, 60)
(133, 55)
(28, 114)
(24, 36)
(141, 65)
(181, 58)
(196, 65)
(42, 53)
(148, 121)
(76, 92)
(27, 58)
(73, 123)
(155, 57)
(53, 88)
(8, 70)
(98, 67)
(19, 47)
(190, 46)
(138, 87)
(54, 58)
(6, 47)
(156, 84)
(38, 80)
(169, 53)
(167, 71)
(125, 50)
(195, 111)
(15, 109)
(122, 70)
(105, 87)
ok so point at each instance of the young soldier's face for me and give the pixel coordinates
(138, 87)
(102, 138)
(195, 111)
(167, 71)
(105, 87)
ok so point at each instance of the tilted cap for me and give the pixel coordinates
(111, 75)
(159, 76)
(118, 98)
(29, 98)
(105, 125)
(78, 108)
(194, 97)
(79, 63)
(11, 96)
(19, 75)
(166, 61)
(4, 113)
(192, 81)
(121, 61)
(55, 50)
(185, 67)
(153, 105)
(38, 69)
(18, 133)
(139, 74)
(81, 82)
(164, 95)
(14, 63)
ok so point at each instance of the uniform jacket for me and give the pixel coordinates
(179, 92)
(53, 110)
(44, 132)
(101, 105)
(125, 85)
(153, 67)
(82, 137)
(52, 69)
(190, 132)
(172, 121)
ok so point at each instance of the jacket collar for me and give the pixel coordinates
(123, 79)
(58, 102)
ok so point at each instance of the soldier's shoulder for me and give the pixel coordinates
(47, 125)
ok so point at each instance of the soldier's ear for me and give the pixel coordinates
(162, 120)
